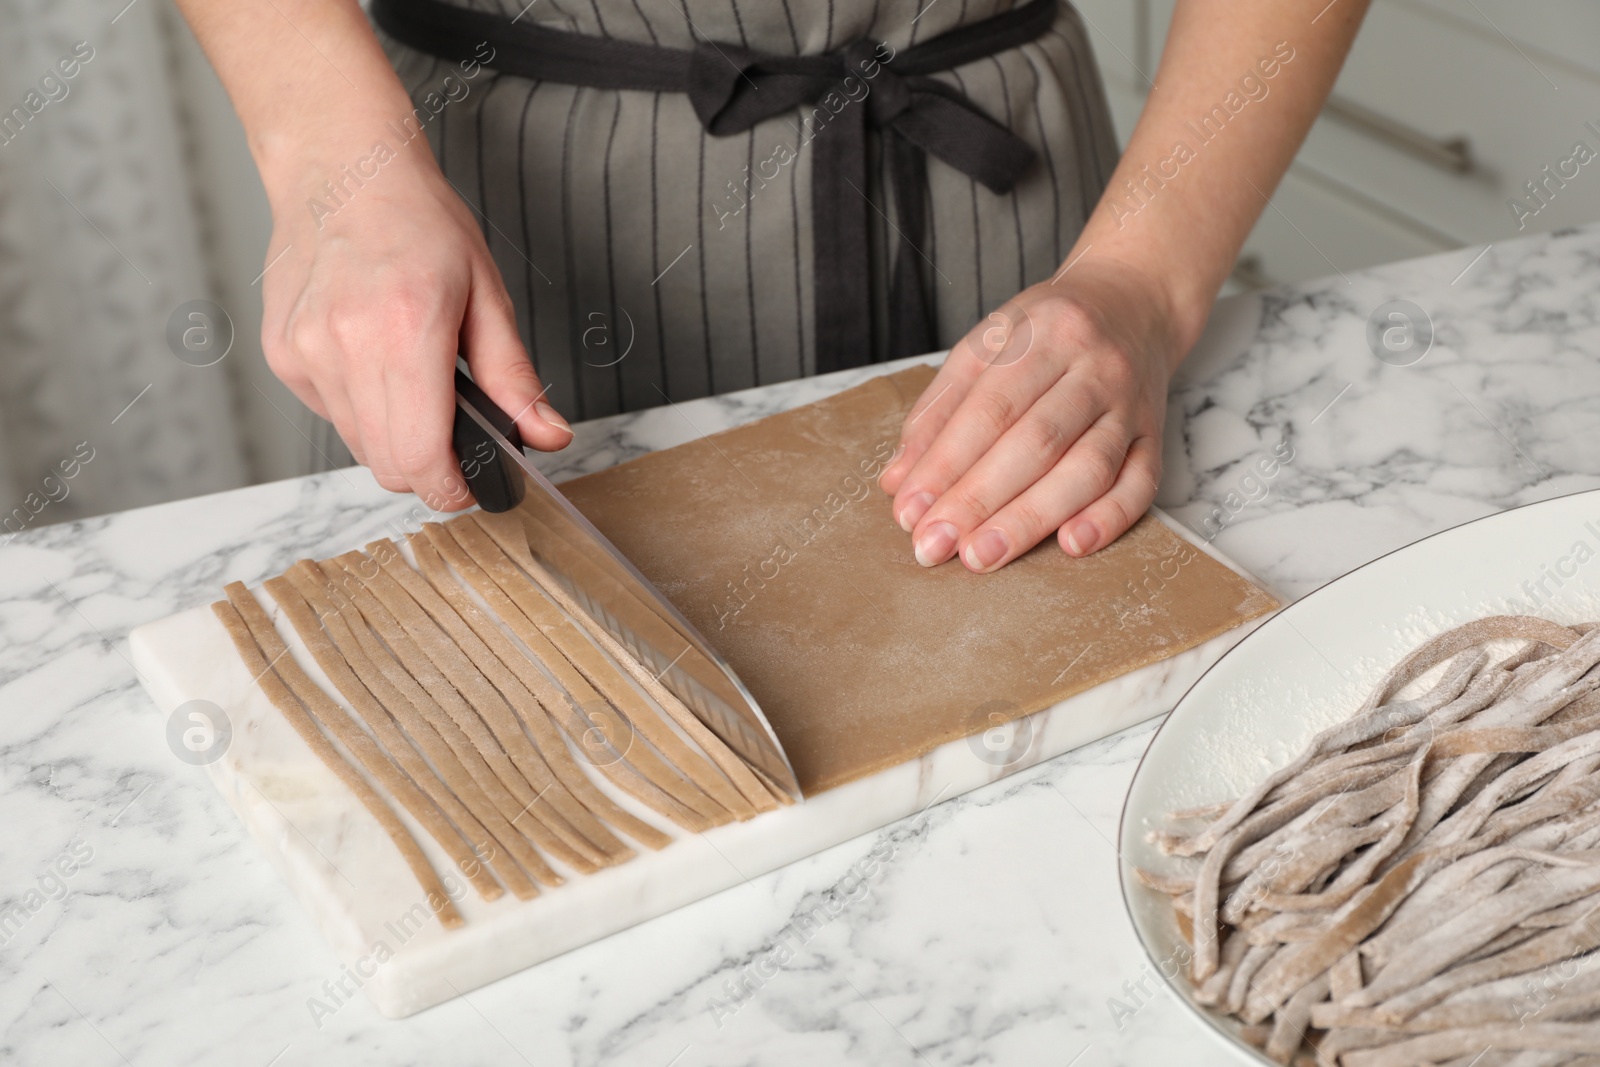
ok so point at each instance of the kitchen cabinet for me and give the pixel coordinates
(1454, 122)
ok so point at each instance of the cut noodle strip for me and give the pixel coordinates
(587, 719)
(580, 655)
(507, 669)
(232, 614)
(429, 800)
(411, 672)
(348, 630)
(738, 772)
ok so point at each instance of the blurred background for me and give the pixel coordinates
(133, 226)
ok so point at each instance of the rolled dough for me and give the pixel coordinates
(775, 541)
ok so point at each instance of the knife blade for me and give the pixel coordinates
(609, 587)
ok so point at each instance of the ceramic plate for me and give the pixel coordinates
(1315, 661)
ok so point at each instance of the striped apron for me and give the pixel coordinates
(651, 254)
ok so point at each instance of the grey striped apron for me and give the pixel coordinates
(648, 259)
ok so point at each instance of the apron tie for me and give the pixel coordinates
(732, 88)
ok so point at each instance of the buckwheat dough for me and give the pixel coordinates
(738, 772)
(515, 676)
(409, 671)
(775, 541)
(597, 582)
(429, 800)
(571, 844)
(246, 624)
(580, 655)
(468, 663)
(347, 629)
(540, 821)
(585, 717)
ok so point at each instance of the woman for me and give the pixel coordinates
(654, 200)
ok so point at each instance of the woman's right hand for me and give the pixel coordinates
(368, 298)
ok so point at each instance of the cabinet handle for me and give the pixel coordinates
(1453, 154)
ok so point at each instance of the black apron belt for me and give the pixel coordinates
(733, 88)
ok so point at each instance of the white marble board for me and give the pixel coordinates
(347, 874)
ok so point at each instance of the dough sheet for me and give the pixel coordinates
(474, 690)
(774, 540)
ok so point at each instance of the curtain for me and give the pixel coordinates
(126, 194)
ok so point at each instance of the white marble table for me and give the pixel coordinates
(994, 930)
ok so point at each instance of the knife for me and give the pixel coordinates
(609, 587)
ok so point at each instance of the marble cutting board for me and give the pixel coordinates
(347, 874)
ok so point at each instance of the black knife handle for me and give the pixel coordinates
(497, 485)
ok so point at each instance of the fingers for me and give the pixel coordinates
(1108, 518)
(500, 365)
(335, 409)
(926, 418)
(287, 356)
(1089, 507)
(285, 362)
(992, 343)
(344, 421)
(996, 403)
(1024, 454)
(418, 410)
(296, 383)
(1025, 518)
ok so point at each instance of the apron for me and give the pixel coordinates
(701, 196)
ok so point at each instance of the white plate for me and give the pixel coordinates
(1315, 661)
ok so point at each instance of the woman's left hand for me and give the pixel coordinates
(1046, 418)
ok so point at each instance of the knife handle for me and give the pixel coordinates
(497, 485)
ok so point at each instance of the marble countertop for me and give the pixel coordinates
(139, 925)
